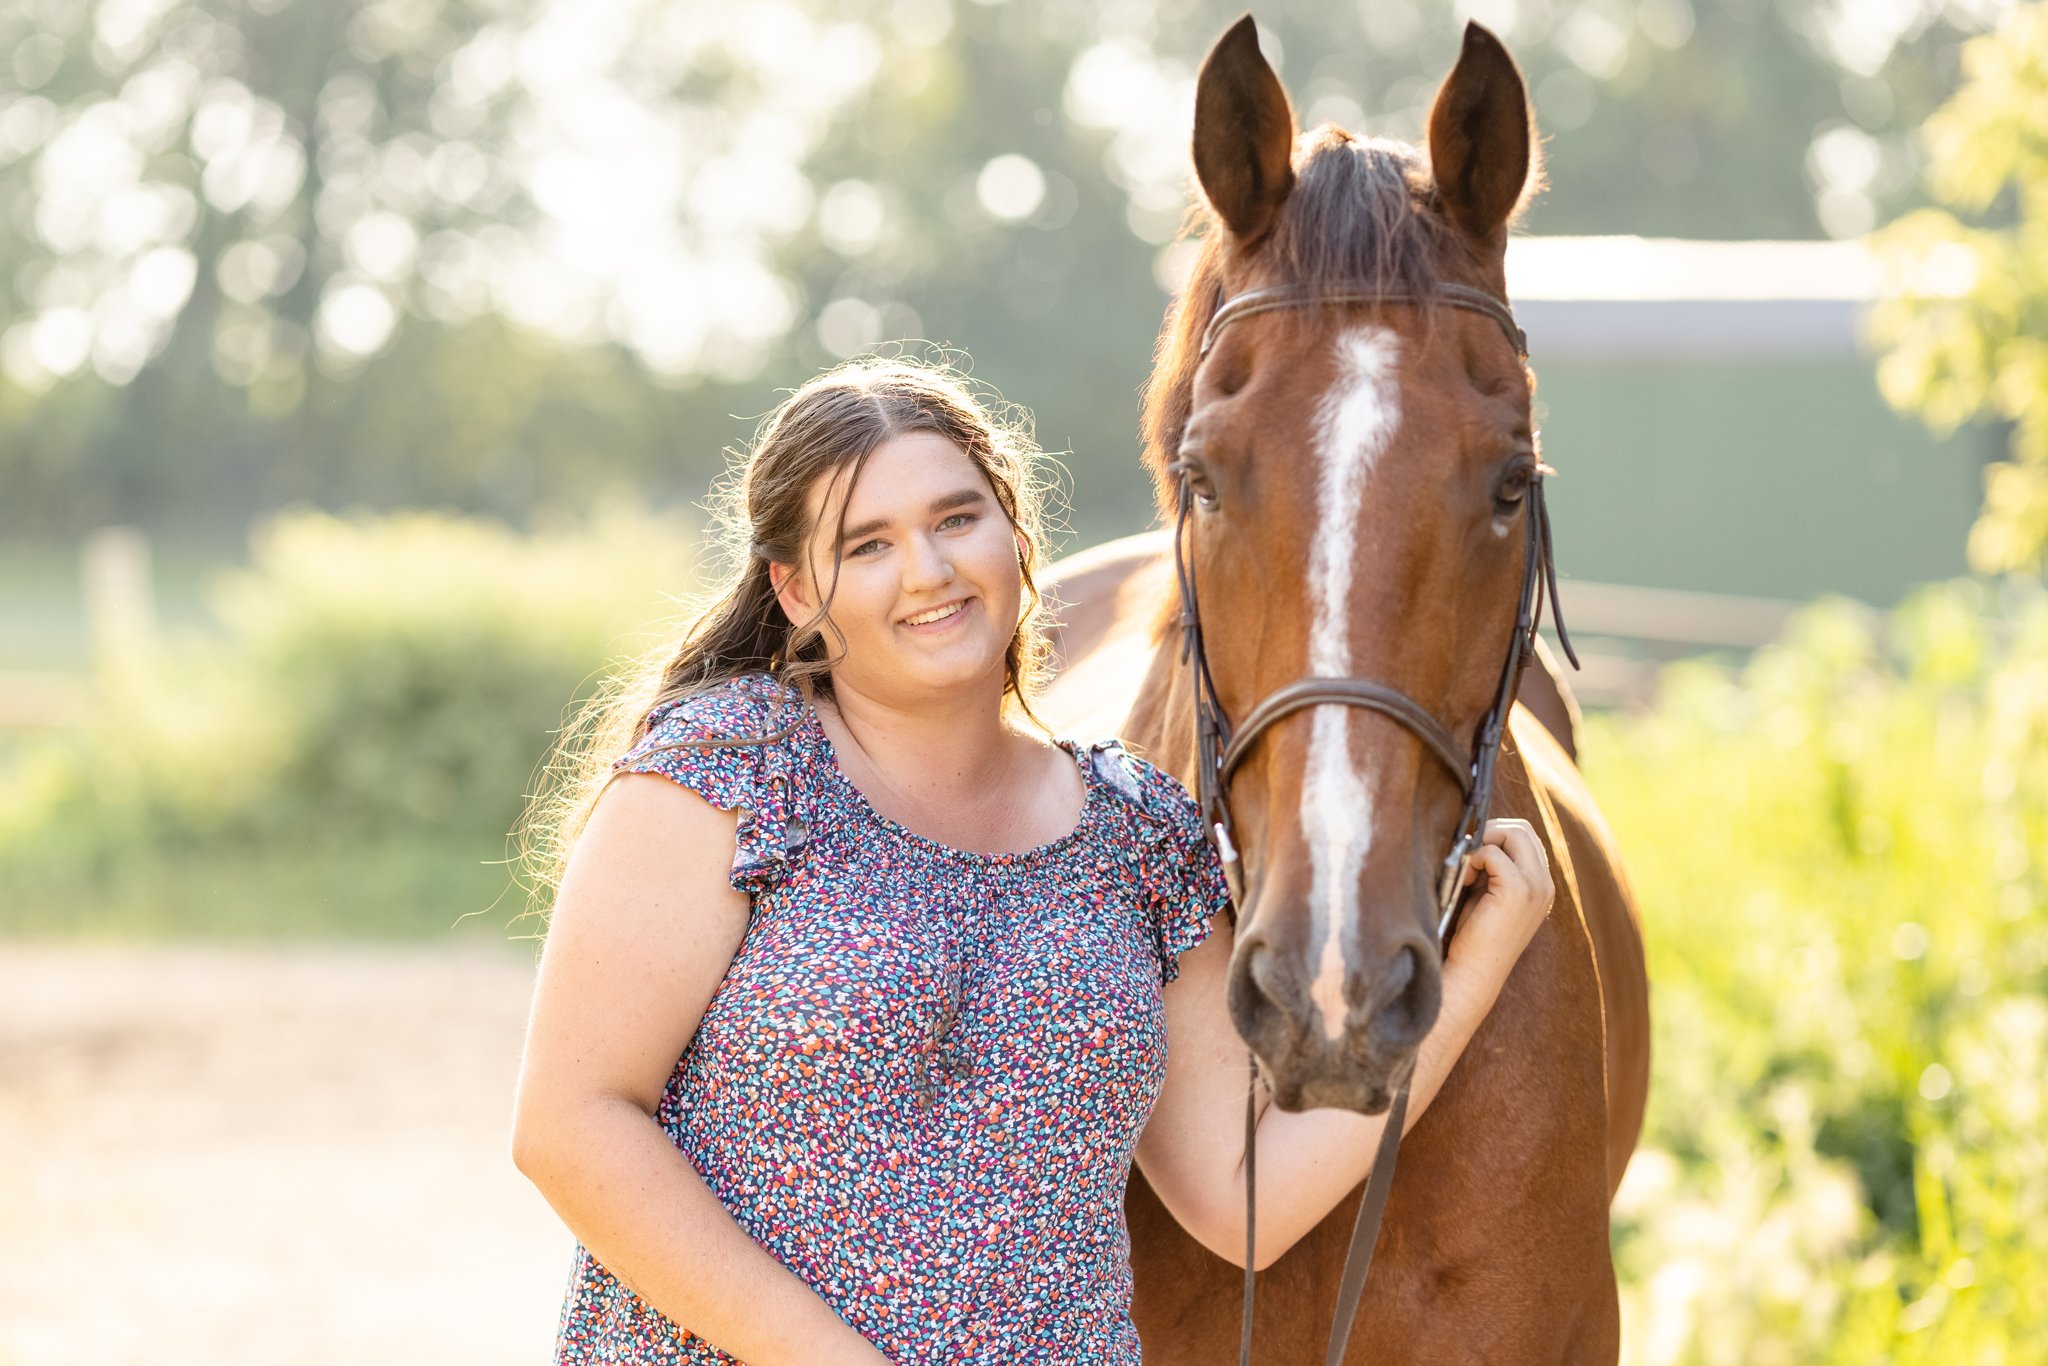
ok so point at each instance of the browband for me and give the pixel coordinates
(1304, 296)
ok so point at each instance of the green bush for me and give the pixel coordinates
(1838, 854)
(361, 731)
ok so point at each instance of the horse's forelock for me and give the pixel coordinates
(1362, 211)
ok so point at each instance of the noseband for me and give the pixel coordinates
(1219, 748)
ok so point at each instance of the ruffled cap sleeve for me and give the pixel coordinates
(1183, 888)
(728, 745)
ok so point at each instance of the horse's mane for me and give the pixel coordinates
(1362, 210)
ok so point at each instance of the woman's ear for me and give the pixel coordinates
(792, 591)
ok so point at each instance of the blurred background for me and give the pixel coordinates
(364, 369)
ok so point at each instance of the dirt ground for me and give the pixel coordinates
(267, 1157)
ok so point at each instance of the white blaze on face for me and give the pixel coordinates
(1354, 425)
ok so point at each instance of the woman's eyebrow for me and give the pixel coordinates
(960, 498)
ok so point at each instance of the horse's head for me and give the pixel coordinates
(1360, 472)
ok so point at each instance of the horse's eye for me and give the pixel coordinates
(1514, 486)
(1194, 476)
(1231, 378)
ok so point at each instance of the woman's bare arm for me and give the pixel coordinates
(643, 930)
(1192, 1150)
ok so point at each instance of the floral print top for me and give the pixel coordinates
(920, 1082)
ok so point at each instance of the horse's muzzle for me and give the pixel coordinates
(1387, 1011)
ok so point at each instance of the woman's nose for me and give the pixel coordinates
(927, 565)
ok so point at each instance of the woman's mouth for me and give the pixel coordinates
(938, 616)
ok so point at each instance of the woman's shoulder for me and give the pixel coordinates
(741, 746)
(726, 742)
(745, 710)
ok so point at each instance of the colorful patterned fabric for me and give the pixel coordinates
(920, 1083)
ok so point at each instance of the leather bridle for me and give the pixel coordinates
(1219, 748)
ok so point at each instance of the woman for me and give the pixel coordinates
(857, 994)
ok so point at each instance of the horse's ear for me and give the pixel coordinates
(1482, 138)
(1244, 134)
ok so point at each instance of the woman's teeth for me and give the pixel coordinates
(936, 614)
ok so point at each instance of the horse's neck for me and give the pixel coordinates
(1161, 725)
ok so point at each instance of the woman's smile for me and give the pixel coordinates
(941, 618)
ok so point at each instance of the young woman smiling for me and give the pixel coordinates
(860, 994)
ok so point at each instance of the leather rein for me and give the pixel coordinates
(1220, 748)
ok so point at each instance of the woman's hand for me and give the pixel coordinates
(1499, 924)
(1191, 1151)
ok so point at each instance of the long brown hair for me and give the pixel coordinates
(828, 427)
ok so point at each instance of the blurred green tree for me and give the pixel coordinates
(1968, 336)
(501, 254)
(224, 215)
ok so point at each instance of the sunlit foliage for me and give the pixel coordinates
(349, 751)
(1839, 854)
(1983, 350)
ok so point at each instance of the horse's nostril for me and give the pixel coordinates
(1401, 973)
(1258, 1001)
(1264, 971)
(1408, 1001)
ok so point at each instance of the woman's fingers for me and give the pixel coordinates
(1508, 845)
(1502, 872)
(1518, 837)
(1494, 859)
(1518, 894)
(1513, 858)
(1514, 861)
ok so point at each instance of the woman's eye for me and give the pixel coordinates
(958, 520)
(866, 548)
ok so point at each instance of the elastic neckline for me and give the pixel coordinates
(1091, 798)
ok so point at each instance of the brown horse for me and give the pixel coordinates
(1363, 472)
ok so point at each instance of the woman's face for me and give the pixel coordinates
(930, 588)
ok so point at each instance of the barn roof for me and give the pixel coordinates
(1645, 298)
